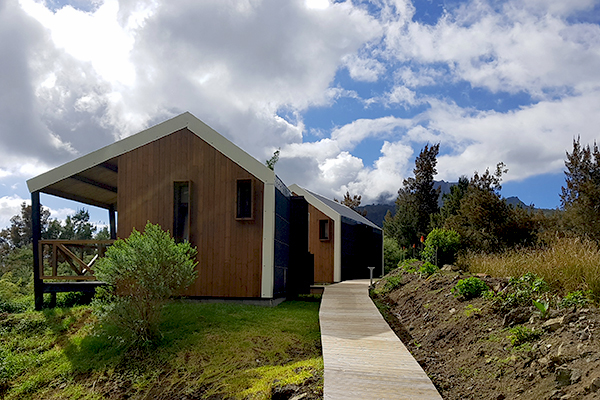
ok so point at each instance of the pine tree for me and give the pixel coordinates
(580, 198)
(417, 200)
(352, 202)
(483, 219)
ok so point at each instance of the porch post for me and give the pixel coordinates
(113, 222)
(36, 230)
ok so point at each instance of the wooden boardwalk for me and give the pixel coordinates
(363, 357)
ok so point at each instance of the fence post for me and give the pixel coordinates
(36, 230)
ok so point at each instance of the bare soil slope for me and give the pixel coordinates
(465, 346)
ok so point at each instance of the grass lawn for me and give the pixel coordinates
(209, 351)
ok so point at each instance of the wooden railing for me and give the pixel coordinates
(64, 254)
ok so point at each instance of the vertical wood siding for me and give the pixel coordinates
(229, 251)
(322, 250)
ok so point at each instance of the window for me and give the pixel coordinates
(181, 211)
(245, 193)
(324, 229)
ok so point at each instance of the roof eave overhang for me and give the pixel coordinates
(186, 120)
(315, 202)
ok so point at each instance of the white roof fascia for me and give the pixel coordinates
(185, 120)
(318, 204)
(337, 227)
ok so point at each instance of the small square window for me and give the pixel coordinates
(245, 193)
(324, 229)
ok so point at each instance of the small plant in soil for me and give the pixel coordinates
(428, 269)
(390, 283)
(411, 265)
(469, 288)
(578, 298)
(472, 310)
(519, 292)
(543, 308)
(520, 335)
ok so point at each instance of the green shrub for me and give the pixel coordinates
(469, 288)
(12, 307)
(428, 269)
(441, 246)
(142, 273)
(520, 335)
(8, 289)
(72, 299)
(391, 254)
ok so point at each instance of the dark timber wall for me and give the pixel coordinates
(282, 238)
(361, 248)
(301, 269)
(229, 250)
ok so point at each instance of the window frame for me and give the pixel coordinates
(239, 215)
(179, 232)
(325, 232)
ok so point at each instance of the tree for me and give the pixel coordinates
(580, 198)
(273, 160)
(451, 204)
(417, 200)
(485, 222)
(391, 254)
(19, 233)
(102, 234)
(452, 200)
(403, 224)
(78, 227)
(352, 202)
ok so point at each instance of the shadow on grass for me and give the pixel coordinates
(232, 334)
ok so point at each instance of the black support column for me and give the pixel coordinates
(112, 222)
(36, 229)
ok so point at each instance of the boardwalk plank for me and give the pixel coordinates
(363, 357)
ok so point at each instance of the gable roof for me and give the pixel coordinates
(328, 206)
(92, 178)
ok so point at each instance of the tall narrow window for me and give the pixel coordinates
(245, 193)
(181, 212)
(324, 229)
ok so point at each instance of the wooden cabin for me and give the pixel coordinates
(343, 242)
(195, 183)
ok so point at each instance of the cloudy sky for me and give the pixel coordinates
(350, 91)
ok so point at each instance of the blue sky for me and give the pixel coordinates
(349, 91)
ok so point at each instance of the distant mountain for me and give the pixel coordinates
(376, 212)
(444, 189)
(516, 202)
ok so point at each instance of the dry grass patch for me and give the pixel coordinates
(566, 264)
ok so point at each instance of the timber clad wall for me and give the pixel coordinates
(322, 250)
(229, 251)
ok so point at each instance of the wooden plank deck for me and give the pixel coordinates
(363, 357)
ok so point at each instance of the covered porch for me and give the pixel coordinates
(67, 265)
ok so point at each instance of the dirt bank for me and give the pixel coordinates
(465, 346)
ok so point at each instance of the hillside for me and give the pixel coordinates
(470, 350)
